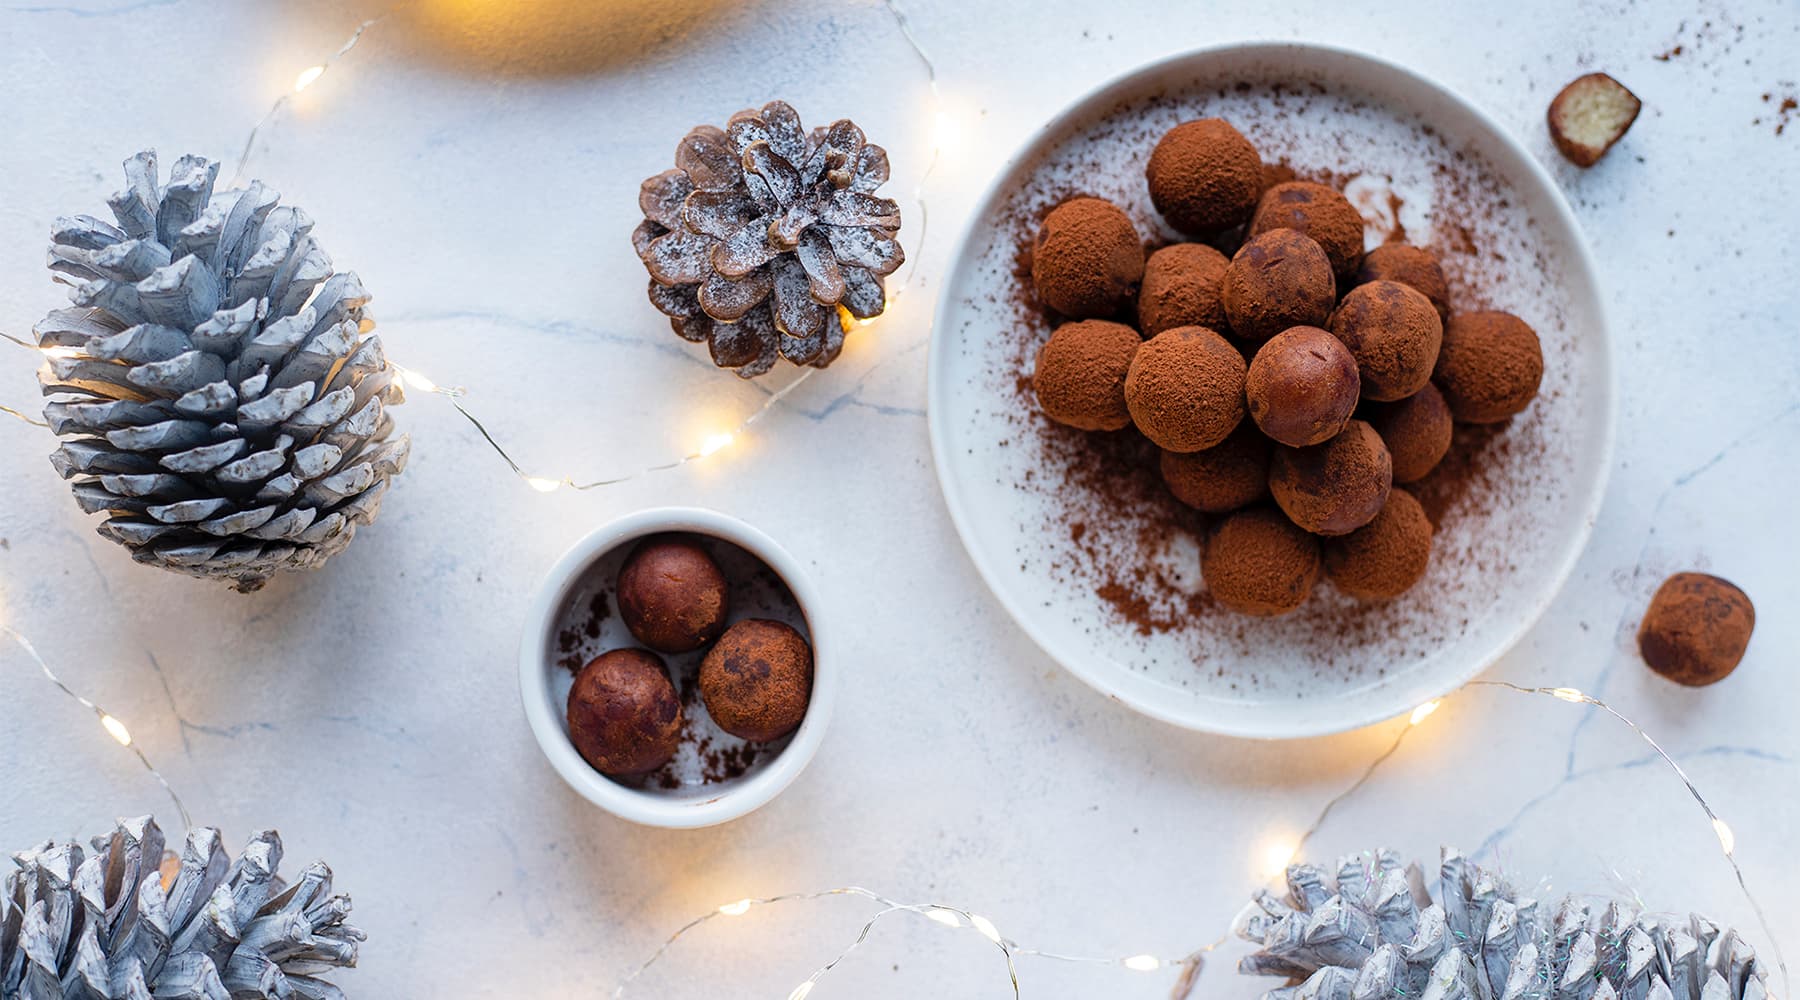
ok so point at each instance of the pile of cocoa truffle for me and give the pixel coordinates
(624, 715)
(1299, 369)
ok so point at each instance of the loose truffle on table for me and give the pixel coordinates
(1395, 334)
(1087, 259)
(1185, 389)
(1258, 563)
(1336, 487)
(1204, 176)
(1181, 288)
(1080, 375)
(1319, 212)
(1697, 629)
(624, 716)
(1490, 366)
(1231, 474)
(1277, 280)
(1385, 557)
(1302, 386)
(671, 595)
(757, 681)
(1415, 267)
(1416, 430)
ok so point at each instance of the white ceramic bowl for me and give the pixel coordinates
(557, 641)
(1089, 566)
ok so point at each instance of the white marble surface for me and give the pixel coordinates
(479, 168)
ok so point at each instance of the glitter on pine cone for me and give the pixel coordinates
(217, 387)
(1370, 931)
(765, 238)
(114, 924)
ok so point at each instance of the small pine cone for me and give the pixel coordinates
(1370, 931)
(765, 237)
(80, 926)
(219, 392)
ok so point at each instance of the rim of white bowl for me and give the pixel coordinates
(1097, 678)
(545, 715)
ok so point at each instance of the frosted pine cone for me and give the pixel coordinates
(221, 397)
(109, 926)
(1370, 931)
(764, 236)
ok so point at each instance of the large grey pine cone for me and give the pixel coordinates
(108, 926)
(1370, 931)
(220, 394)
(765, 235)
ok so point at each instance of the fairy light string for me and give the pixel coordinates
(111, 724)
(1282, 856)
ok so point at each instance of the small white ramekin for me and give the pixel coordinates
(548, 717)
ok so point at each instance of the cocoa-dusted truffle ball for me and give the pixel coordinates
(1181, 288)
(1385, 557)
(1336, 487)
(1185, 389)
(624, 716)
(1319, 212)
(1231, 474)
(1416, 430)
(1080, 376)
(671, 594)
(1204, 176)
(1415, 267)
(1087, 260)
(1394, 333)
(1302, 386)
(1696, 629)
(1490, 366)
(757, 681)
(1278, 279)
(1258, 563)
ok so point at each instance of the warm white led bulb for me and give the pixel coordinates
(1727, 839)
(543, 484)
(986, 927)
(1568, 694)
(801, 991)
(946, 917)
(736, 909)
(115, 729)
(307, 76)
(1424, 711)
(1143, 963)
(715, 442)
